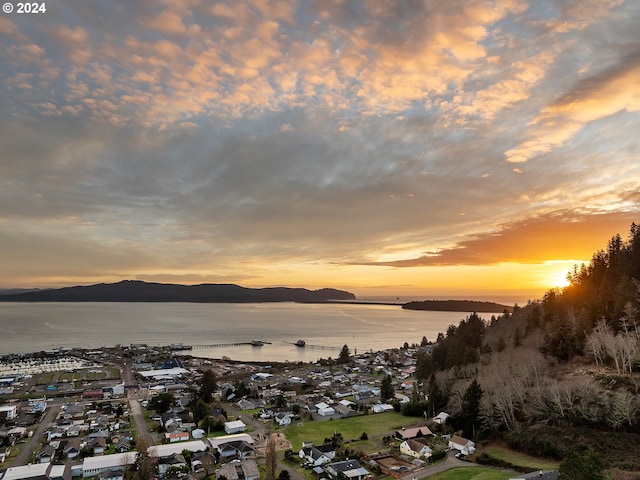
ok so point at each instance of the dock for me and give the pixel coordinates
(217, 345)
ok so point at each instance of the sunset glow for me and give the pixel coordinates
(458, 148)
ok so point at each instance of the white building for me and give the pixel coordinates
(38, 471)
(8, 412)
(325, 410)
(441, 418)
(466, 447)
(171, 448)
(236, 426)
(382, 407)
(92, 466)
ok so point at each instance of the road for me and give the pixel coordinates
(26, 453)
(134, 406)
(141, 426)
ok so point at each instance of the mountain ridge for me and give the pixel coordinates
(141, 291)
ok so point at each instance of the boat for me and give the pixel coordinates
(300, 343)
(257, 343)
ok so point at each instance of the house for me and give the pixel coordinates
(244, 470)
(123, 446)
(175, 460)
(245, 404)
(70, 448)
(317, 455)
(236, 449)
(236, 426)
(539, 475)
(283, 419)
(8, 412)
(415, 448)
(46, 454)
(466, 447)
(324, 409)
(382, 407)
(412, 433)
(351, 469)
(218, 442)
(176, 437)
(98, 445)
(202, 462)
(441, 418)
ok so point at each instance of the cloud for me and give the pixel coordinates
(557, 236)
(615, 90)
(286, 137)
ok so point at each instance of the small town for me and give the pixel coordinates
(154, 412)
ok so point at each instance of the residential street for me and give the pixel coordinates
(141, 425)
(27, 450)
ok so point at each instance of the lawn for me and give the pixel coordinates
(351, 428)
(520, 459)
(471, 473)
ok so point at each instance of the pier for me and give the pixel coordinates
(252, 343)
(215, 345)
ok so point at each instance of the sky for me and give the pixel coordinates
(412, 148)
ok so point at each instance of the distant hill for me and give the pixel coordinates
(139, 291)
(12, 291)
(458, 306)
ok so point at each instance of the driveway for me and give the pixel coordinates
(449, 462)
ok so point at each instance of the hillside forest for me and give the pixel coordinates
(556, 375)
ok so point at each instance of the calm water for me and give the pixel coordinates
(29, 327)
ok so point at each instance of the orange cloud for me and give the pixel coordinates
(167, 21)
(564, 236)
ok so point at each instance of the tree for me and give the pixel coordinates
(344, 356)
(207, 386)
(386, 388)
(271, 458)
(471, 407)
(163, 402)
(581, 463)
(200, 411)
(284, 475)
(145, 463)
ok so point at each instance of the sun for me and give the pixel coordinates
(559, 280)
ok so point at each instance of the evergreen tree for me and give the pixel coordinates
(344, 356)
(386, 389)
(471, 407)
(207, 386)
(581, 463)
(436, 400)
(424, 366)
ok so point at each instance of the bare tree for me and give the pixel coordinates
(271, 457)
(145, 460)
(624, 406)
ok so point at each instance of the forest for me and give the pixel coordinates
(557, 373)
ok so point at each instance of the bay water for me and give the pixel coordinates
(32, 327)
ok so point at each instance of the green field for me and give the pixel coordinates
(520, 459)
(351, 428)
(472, 473)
